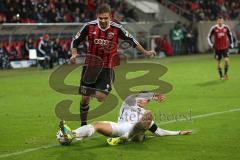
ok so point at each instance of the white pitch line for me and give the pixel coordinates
(54, 145)
(27, 150)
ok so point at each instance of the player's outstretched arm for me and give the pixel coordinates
(162, 132)
(159, 97)
(145, 52)
(151, 96)
(185, 132)
(77, 39)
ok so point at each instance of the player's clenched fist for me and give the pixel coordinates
(74, 56)
(159, 97)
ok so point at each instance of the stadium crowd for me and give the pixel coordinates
(181, 39)
(52, 49)
(56, 11)
(197, 10)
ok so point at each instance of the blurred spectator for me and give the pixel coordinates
(61, 55)
(83, 18)
(51, 16)
(176, 37)
(4, 61)
(163, 45)
(59, 16)
(190, 38)
(13, 52)
(41, 16)
(45, 50)
(27, 45)
(82, 48)
(2, 19)
(76, 15)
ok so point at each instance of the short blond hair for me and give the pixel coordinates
(104, 8)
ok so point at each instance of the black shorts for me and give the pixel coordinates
(221, 53)
(96, 79)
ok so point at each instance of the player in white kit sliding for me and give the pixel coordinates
(133, 121)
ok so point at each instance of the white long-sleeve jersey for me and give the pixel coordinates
(130, 112)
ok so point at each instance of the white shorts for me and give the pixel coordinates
(120, 129)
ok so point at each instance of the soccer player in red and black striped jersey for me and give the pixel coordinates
(223, 40)
(97, 75)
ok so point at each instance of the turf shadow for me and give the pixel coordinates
(210, 83)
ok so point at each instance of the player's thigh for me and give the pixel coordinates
(87, 83)
(104, 127)
(104, 83)
(101, 96)
(225, 54)
(121, 129)
(218, 55)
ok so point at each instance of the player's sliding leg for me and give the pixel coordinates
(85, 131)
(226, 66)
(67, 132)
(84, 107)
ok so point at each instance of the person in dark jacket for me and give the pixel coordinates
(45, 49)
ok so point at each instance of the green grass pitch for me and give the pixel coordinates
(28, 123)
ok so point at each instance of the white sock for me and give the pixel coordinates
(162, 132)
(84, 131)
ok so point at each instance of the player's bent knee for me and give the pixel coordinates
(103, 128)
(101, 97)
(226, 60)
(85, 100)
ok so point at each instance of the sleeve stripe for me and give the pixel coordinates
(72, 43)
(116, 25)
(75, 37)
(124, 30)
(231, 35)
(209, 35)
(135, 41)
(127, 34)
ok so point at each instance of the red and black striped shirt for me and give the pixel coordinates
(102, 43)
(222, 37)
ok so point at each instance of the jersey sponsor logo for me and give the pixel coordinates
(101, 42)
(105, 44)
(220, 34)
(110, 35)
